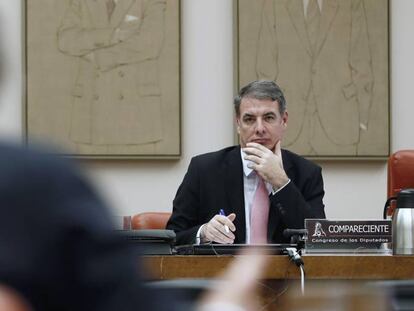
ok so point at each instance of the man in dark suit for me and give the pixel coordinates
(231, 181)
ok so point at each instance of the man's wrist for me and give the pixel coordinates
(279, 181)
(277, 189)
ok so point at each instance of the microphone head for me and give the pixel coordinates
(288, 233)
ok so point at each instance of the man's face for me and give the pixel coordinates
(260, 122)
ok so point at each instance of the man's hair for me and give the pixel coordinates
(261, 89)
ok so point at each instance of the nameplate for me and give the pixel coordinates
(361, 235)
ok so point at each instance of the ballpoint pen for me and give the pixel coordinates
(225, 226)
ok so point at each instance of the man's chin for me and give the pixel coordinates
(270, 146)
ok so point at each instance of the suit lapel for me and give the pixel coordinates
(329, 9)
(98, 12)
(287, 163)
(295, 9)
(233, 185)
(121, 9)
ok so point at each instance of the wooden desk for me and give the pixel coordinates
(328, 267)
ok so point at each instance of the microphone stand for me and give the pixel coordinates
(298, 237)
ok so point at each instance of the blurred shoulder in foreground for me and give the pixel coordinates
(57, 246)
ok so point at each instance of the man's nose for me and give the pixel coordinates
(259, 126)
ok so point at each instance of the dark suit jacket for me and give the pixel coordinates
(57, 246)
(214, 181)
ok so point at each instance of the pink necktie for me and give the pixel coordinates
(260, 214)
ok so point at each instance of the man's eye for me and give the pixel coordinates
(248, 120)
(270, 118)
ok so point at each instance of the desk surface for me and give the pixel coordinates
(347, 267)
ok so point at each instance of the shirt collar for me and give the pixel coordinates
(246, 170)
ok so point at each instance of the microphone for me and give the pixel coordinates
(296, 236)
(287, 233)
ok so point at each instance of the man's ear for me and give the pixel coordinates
(285, 118)
(238, 125)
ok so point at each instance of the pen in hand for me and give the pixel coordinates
(225, 226)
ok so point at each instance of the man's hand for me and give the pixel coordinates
(215, 230)
(267, 164)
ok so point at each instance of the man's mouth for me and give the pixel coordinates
(261, 141)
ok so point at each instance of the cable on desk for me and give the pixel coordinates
(302, 280)
(297, 259)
